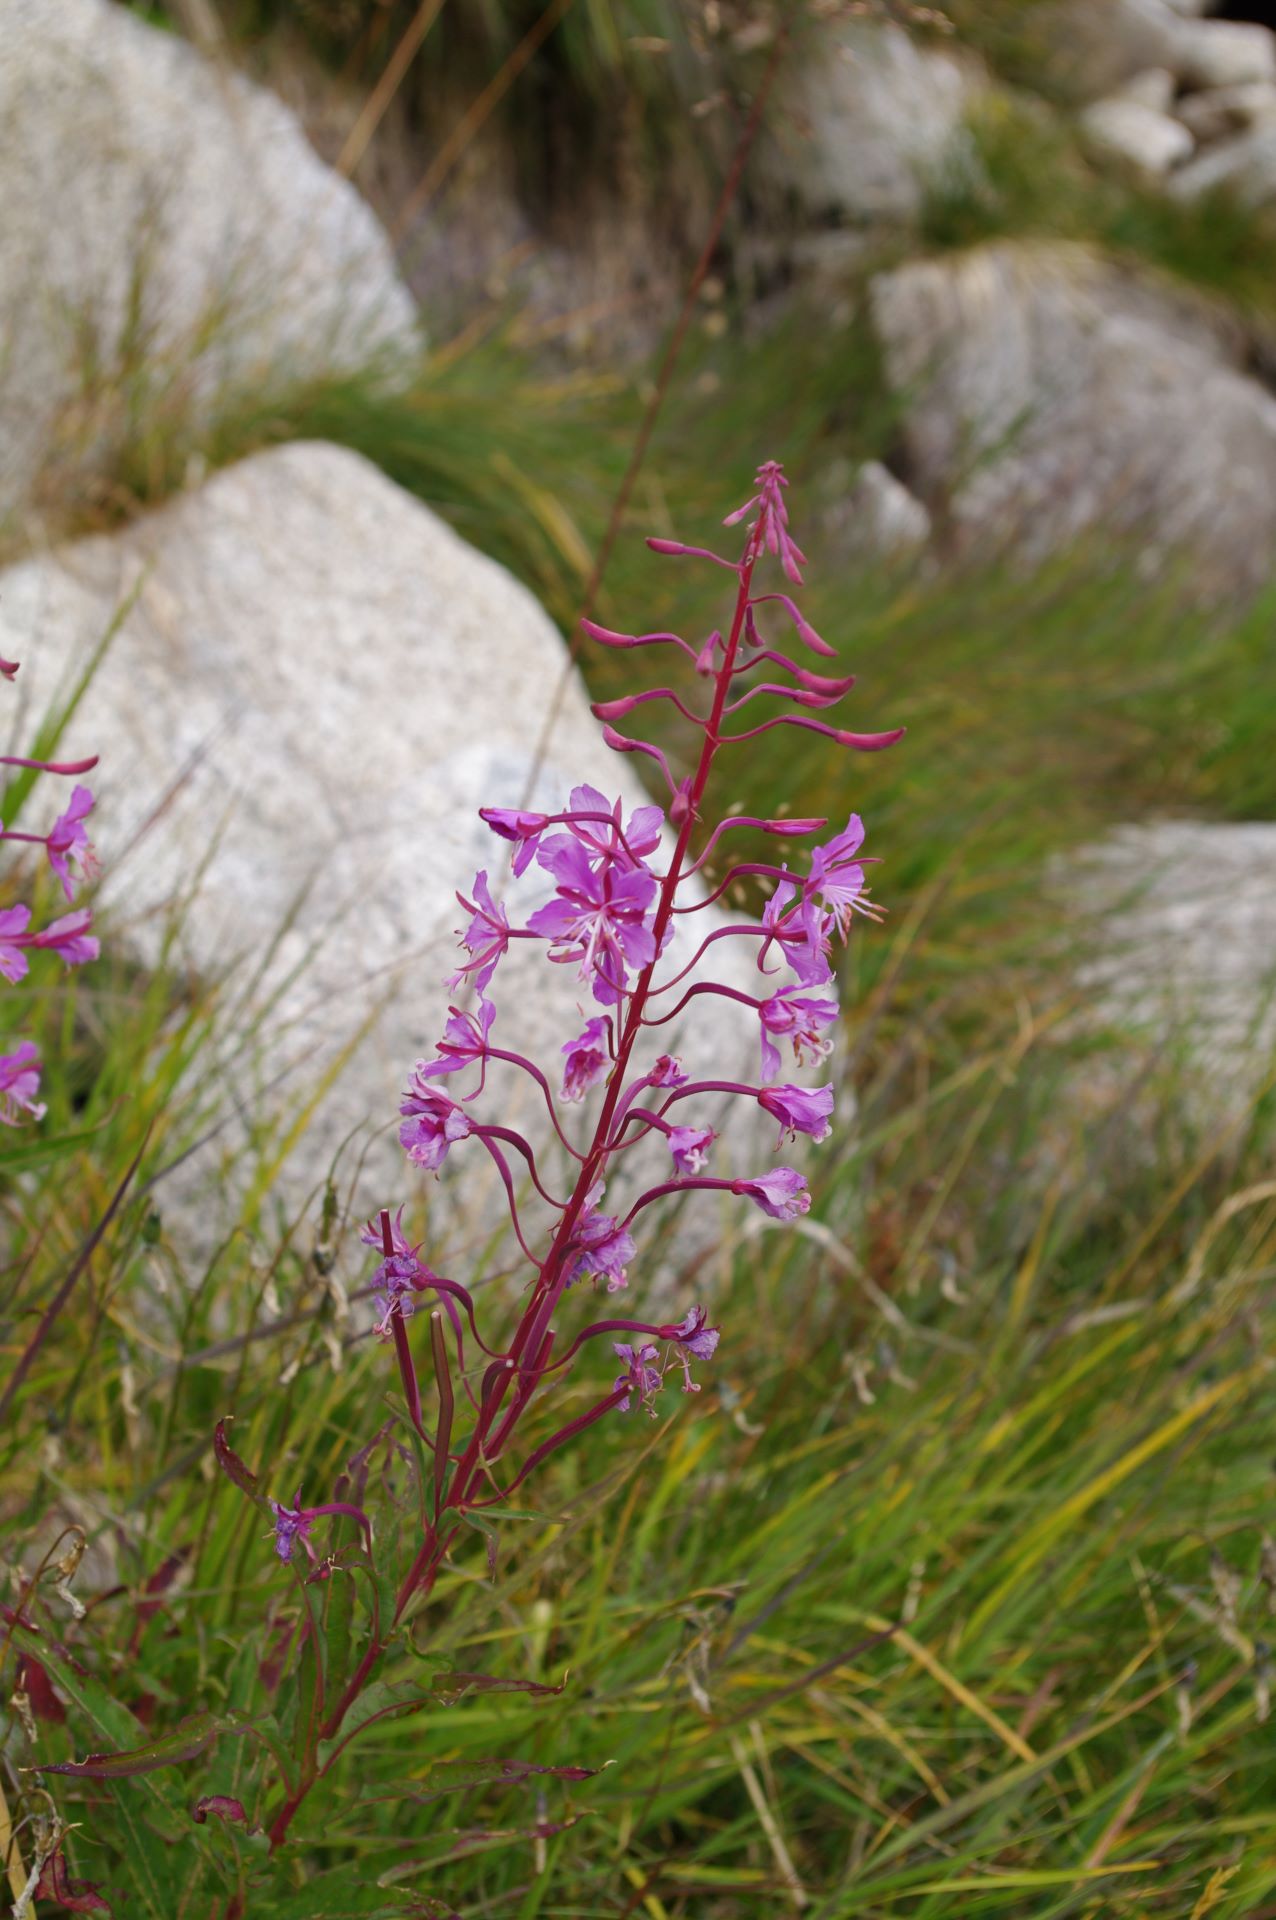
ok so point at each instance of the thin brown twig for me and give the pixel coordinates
(375, 106)
(473, 117)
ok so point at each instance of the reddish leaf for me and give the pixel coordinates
(454, 1776)
(184, 1742)
(231, 1464)
(231, 1811)
(449, 1687)
(33, 1680)
(79, 1896)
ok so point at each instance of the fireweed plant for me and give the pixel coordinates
(620, 885)
(72, 859)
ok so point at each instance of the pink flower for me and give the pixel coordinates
(639, 1376)
(19, 1084)
(292, 1523)
(799, 1110)
(801, 932)
(14, 922)
(398, 1280)
(836, 876)
(599, 916)
(667, 1072)
(587, 1059)
(464, 1041)
(524, 829)
(432, 1124)
(484, 939)
(799, 1018)
(70, 842)
(628, 842)
(689, 1147)
(70, 937)
(782, 1193)
(601, 1247)
(694, 1339)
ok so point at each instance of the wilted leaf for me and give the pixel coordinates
(231, 1464)
(77, 1896)
(183, 1742)
(223, 1805)
(454, 1776)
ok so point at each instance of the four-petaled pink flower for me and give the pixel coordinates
(837, 877)
(398, 1280)
(484, 939)
(587, 1059)
(627, 843)
(690, 1147)
(431, 1124)
(599, 916)
(782, 1193)
(799, 1110)
(600, 1248)
(792, 1015)
(69, 841)
(14, 922)
(291, 1524)
(693, 1338)
(19, 1084)
(639, 1376)
(464, 1042)
(801, 932)
(70, 938)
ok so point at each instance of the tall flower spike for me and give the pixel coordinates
(617, 885)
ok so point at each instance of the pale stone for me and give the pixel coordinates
(875, 517)
(1137, 135)
(857, 133)
(1224, 53)
(168, 224)
(1184, 919)
(1245, 166)
(316, 687)
(1223, 110)
(1051, 395)
(1153, 88)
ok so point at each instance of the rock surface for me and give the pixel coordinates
(1139, 135)
(321, 683)
(858, 132)
(874, 516)
(1245, 167)
(1052, 395)
(1186, 915)
(168, 236)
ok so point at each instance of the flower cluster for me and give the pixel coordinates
(612, 887)
(618, 883)
(72, 860)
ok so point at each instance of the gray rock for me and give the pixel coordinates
(1224, 53)
(875, 517)
(1051, 394)
(1136, 135)
(317, 686)
(1153, 88)
(1222, 110)
(169, 238)
(858, 131)
(1099, 45)
(1245, 167)
(1184, 918)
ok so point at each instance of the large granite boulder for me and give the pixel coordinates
(1184, 920)
(1051, 395)
(315, 686)
(169, 238)
(865, 119)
